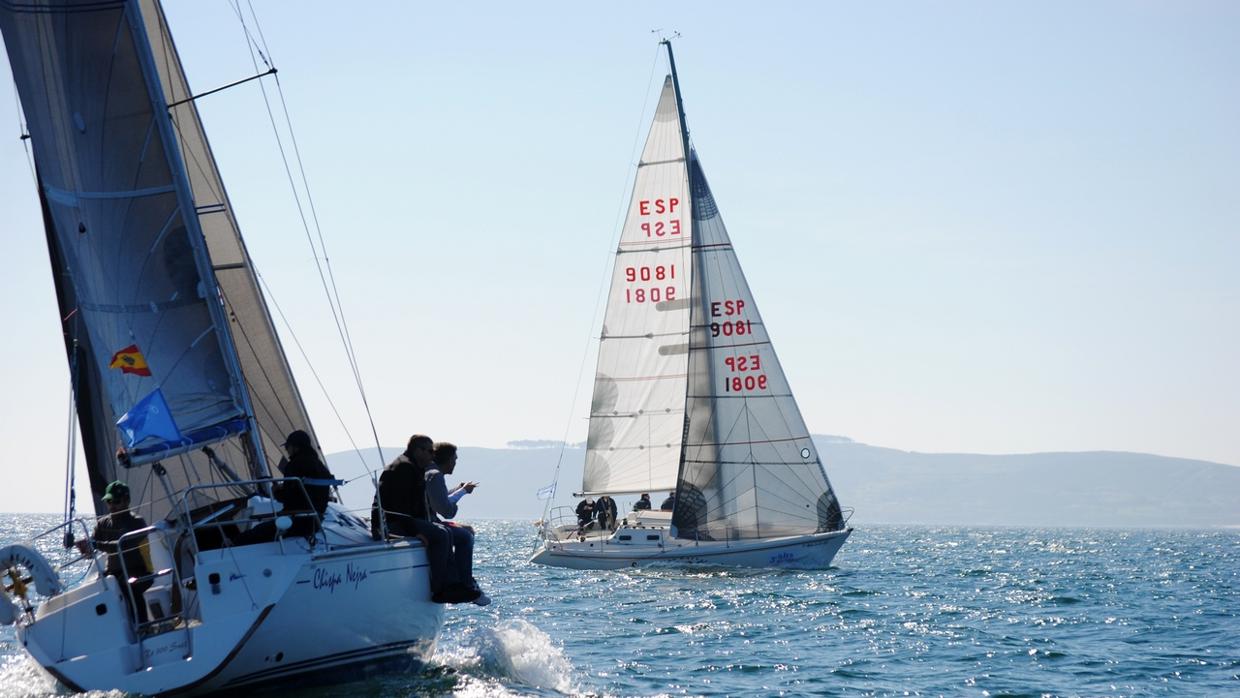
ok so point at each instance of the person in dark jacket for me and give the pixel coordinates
(605, 513)
(304, 502)
(134, 575)
(585, 513)
(312, 494)
(670, 503)
(400, 503)
(643, 503)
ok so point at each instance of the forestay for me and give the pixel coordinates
(637, 416)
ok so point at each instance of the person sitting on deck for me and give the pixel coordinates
(303, 463)
(669, 503)
(304, 502)
(443, 503)
(134, 575)
(402, 494)
(643, 503)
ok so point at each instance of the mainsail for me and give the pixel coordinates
(147, 324)
(637, 417)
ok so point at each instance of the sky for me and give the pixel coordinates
(970, 227)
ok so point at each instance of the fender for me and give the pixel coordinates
(23, 565)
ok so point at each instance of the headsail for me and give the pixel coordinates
(637, 415)
(153, 347)
(750, 468)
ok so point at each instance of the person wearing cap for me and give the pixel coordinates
(303, 498)
(134, 575)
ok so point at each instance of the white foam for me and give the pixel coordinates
(511, 651)
(21, 676)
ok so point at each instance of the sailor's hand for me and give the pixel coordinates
(83, 547)
(469, 487)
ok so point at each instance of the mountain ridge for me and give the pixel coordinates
(888, 485)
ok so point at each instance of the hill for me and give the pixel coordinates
(885, 485)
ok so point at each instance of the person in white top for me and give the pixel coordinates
(443, 503)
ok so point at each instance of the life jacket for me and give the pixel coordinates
(402, 490)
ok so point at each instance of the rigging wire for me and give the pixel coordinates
(314, 214)
(71, 448)
(599, 301)
(297, 342)
(23, 133)
(330, 290)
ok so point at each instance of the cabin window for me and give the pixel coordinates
(653, 537)
(626, 537)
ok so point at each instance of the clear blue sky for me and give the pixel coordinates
(981, 227)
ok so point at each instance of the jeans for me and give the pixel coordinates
(463, 554)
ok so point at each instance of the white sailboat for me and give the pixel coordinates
(174, 358)
(689, 395)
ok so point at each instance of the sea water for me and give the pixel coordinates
(905, 611)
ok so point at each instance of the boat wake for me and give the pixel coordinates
(21, 676)
(512, 651)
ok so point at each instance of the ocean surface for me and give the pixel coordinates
(907, 610)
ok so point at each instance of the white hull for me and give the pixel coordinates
(814, 551)
(256, 614)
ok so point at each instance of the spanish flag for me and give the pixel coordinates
(130, 360)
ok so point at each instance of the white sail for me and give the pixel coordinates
(750, 468)
(637, 416)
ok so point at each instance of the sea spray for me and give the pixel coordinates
(511, 651)
(20, 676)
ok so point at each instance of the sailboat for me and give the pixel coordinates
(181, 389)
(689, 395)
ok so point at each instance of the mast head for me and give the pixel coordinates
(665, 40)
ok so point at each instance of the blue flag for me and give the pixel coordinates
(149, 418)
(547, 492)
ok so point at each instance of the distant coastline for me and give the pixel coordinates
(1097, 489)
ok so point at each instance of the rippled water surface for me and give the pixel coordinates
(906, 611)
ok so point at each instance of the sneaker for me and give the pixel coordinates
(482, 600)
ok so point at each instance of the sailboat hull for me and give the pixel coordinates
(266, 613)
(641, 549)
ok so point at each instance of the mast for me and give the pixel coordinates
(277, 404)
(680, 110)
(206, 270)
(694, 308)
